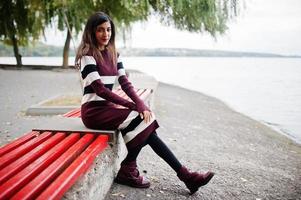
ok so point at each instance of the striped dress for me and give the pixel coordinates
(99, 110)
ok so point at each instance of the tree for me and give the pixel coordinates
(71, 15)
(26, 20)
(16, 23)
(66, 15)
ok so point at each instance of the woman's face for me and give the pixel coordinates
(103, 34)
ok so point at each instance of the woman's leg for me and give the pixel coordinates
(192, 180)
(161, 149)
(132, 154)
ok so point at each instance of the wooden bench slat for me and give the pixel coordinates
(16, 143)
(25, 160)
(140, 91)
(121, 93)
(145, 94)
(125, 96)
(18, 181)
(72, 112)
(57, 188)
(39, 183)
(78, 112)
(23, 149)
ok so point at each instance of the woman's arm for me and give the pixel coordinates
(92, 81)
(129, 89)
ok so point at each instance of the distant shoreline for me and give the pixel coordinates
(42, 50)
(178, 52)
(38, 62)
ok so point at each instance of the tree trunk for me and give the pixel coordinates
(124, 37)
(66, 50)
(16, 51)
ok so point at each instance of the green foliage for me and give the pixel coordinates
(22, 21)
(15, 21)
(125, 11)
(196, 15)
(192, 15)
(27, 19)
(72, 13)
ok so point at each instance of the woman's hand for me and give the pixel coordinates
(146, 116)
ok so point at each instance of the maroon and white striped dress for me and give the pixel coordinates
(98, 109)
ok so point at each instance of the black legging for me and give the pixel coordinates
(160, 148)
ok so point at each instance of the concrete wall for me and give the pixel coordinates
(97, 181)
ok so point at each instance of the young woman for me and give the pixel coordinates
(100, 65)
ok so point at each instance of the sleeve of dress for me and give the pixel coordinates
(128, 88)
(92, 83)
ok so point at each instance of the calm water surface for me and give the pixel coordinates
(266, 89)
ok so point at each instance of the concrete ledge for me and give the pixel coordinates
(41, 109)
(71, 125)
(96, 183)
(49, 110)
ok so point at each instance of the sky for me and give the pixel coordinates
(271, 26)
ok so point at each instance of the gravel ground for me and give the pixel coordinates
(251, 161)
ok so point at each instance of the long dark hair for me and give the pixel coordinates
(88, 45)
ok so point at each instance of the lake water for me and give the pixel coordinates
(266, 89)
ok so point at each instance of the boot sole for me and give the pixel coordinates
(127, 183)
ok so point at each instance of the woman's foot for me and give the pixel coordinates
(129, 175)
(194, 180)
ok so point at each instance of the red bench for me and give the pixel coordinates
(45, 163)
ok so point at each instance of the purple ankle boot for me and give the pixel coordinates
(194, 180)
(128, 174)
